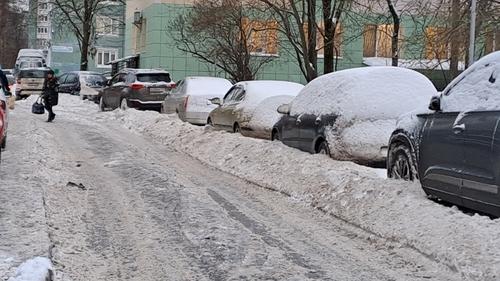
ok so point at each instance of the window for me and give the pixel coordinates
(262, 36)
(377, 40)
(43, 30)
(320, 39)
(104, 56)
(479, 90)
(436, 45)
(107, 26)
(43, 18)
(43, 6)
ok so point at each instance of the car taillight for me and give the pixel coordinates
(172, 85)
(136, 86)
(186, 99)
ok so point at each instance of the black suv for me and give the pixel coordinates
(136, 88)
(454, 149)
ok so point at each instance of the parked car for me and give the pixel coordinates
(454, 149)
(136, 88)
(191, 98)
(84, 83)
(235, 112)
(30, 82)
(350, 114)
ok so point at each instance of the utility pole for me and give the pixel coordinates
(472, 34)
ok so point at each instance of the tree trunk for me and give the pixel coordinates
(455, 38)
(395, 35)
(84, 58)
(329, 32)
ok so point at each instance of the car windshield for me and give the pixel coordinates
(94, 80)
(33, 73)
(154, 77)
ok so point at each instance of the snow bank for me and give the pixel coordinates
(397, 211)
(36, 269)
(266, 115)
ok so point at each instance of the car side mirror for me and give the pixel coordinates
(435, 104)
(216, 101)
(284, 109)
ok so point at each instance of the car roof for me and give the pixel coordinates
(143, 71)
(84, 72)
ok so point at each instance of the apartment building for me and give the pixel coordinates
(53, 34)
(364, 39)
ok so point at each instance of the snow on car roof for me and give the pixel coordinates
(145, 71)
(210, 86)
(262, 89)
(366, 93)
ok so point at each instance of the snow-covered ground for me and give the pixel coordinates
(141, 204)
(394, 210)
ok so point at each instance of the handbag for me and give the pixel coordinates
(38, 107)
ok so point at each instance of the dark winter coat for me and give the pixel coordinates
(4, 81)
(50, 92)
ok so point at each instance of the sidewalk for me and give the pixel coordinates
(23, 227)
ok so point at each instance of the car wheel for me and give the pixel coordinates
(162, 109)
(209, 122)
(102, 106)
(236, 129)
(124, 104)
(275, 136)
(323, 148)
(4, 143)
(401, 164)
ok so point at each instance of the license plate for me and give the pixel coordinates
(156, 91)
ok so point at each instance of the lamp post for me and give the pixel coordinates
(472, 32)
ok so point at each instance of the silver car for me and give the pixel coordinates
(191, 99)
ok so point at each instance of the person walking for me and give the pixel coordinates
(50, 94)
(4, 81)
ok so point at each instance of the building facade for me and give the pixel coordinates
(364, 40)
(51, 32)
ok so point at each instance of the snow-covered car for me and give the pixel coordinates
(454, 147)
(351, 114)
(240, 104)
(136, 88)
(191, 98)
(84, 83)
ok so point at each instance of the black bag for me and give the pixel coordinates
(38, 107)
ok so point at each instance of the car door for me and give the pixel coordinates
(479, 125)
(308, 125)
(72, 83)
(290, 128)
(223, 114)
(442, 156)
(109, 93)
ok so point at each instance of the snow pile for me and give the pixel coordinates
(36, 269)
(397, 211)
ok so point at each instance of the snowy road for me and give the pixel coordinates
(147, 212)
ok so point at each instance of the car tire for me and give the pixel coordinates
(162, 109)
(124, 104)
(102, 105)
(323, 148)
(236, 129)
(4, 143)
(275, 136)
(401, 164)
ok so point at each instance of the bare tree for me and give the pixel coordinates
(332, 12)
(297, 22)
(395, 34)
(222, 33)
(79, 16)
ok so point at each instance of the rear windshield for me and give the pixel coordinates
(33, 73)
(154, 77)
(94, 80)
(28, 64)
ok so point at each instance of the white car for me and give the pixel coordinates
(191, 99)
(243, 108)
(351, 114)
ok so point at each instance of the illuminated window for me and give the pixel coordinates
(436, 45)
(262, 36)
